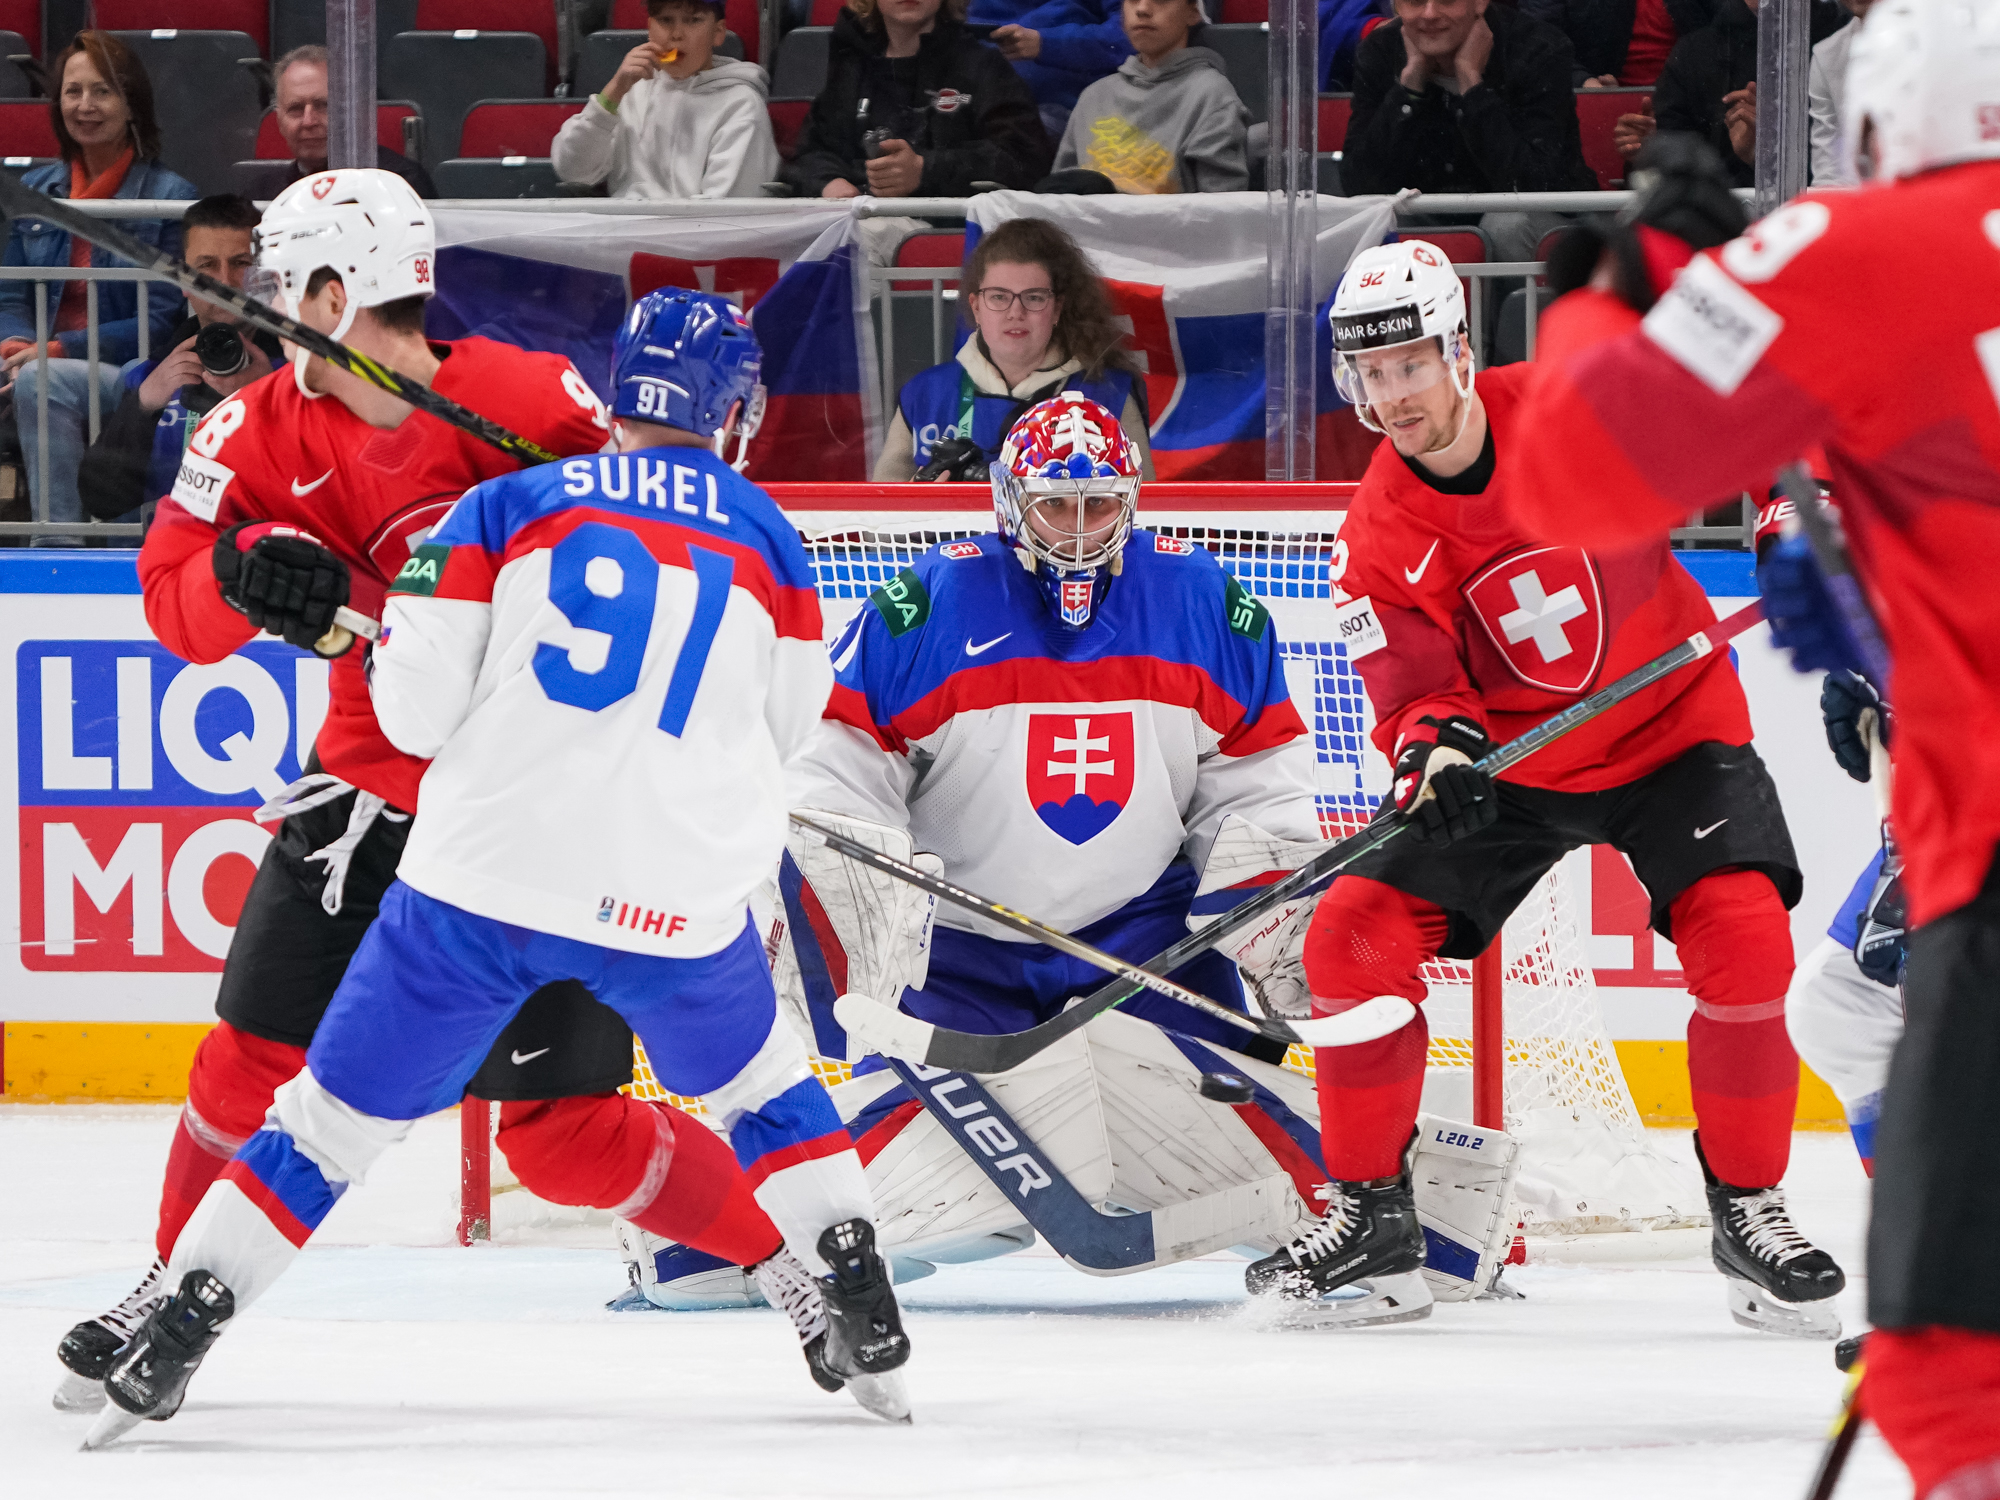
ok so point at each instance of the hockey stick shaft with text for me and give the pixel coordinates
(969, 1052)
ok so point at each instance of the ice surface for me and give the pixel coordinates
(390, 1363)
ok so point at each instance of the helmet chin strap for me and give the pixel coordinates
(1464, 410)
(301, 355)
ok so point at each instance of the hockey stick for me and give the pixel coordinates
(1846, 1428)
(1841, 582)
(961, 1051)
(879, 1025)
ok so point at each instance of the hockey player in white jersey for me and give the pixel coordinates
(1087, 721)
(608, 661)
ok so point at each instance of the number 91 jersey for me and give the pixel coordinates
(610, 659)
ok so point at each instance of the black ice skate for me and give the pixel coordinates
(865, 1342)
(1369, 1239)
(149, 1376)
(1779, 1281)
(86, 1349)
(790, 1287)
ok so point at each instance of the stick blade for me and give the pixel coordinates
(880, 1029)
(1367, 1022)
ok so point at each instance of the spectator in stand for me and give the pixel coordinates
(1459, 96)
(1709, 86)
(1622, 43)
(299, 78)
(110, 143)
(1059, 47)
(1042, 325)
(1343, 25)
(138, 450)
(916, 106)
(1826, 90)
(693, 127)
(1168, 121)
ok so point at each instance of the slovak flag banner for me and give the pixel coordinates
(561, 282)
(1188, 280)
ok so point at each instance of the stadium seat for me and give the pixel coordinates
(800, 69)
(1246, 52)
(1597, 112)
(514, 127)
(26, 136)
(388, 131)
(1510, 344)
(1327, 174)
(208, 100)
(599, 54)
(14, 80)
(447, 72)
(788, 117)
(251, 17)
(1243, 12)
(826, 12)
(942, 248)
(498, 177)
(1462, 245)
(24, 19)
(537, 17)
(742, 16)
(301, 23)
(1334, 112)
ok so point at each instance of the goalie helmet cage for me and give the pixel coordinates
(1517, 1038)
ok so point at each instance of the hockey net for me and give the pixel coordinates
(1587, 1163)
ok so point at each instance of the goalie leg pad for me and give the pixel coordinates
(1464, 1178)
(1270, 951)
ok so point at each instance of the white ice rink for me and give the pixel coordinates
(392, 1363)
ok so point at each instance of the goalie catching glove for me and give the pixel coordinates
(849, 928)
(1439, 791)
(1269, 951)
(283, 579)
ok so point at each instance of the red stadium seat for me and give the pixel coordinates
(514, 127)
(826, 12)
(1242, 12)
(1334, 110)
(252, 17)
(1462, 246)
(536, 16)
(630, 15)
(1597, 112)
(25, 128)
(388, 132)
(24, 19)
(944, 248)
(788, 117)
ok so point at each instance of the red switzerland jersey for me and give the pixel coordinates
(1472, 615)
(1867, 321)
(271, 454)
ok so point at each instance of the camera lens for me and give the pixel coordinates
(221, 349)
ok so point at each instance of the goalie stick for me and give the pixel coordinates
(961, 1051)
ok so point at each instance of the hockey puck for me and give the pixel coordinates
(1227, 1088)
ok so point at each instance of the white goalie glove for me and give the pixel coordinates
(1270, 951)
(869, 932)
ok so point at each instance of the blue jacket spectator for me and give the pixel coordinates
(1341, 24)
(1059, 47)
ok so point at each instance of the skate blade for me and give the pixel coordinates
(112, 1424)
(883, 1396)
(1753, 1307)
(78, 1393)
(1382, 1300)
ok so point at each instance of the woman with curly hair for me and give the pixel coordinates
(1041, 325)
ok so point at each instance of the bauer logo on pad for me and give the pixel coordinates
(1079, 771)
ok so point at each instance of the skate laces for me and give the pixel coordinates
(788, 1285)
(1767, 1228)
(1342, 1214)
(125, 1318)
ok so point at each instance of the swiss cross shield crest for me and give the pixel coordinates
(1544, 612)
(1079, 770)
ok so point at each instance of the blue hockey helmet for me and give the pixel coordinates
(684, 359)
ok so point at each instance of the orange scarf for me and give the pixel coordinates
(72, 312)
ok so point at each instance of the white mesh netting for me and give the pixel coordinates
(1587, 1164)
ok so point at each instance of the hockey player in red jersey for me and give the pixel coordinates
(1467, 632)
(1869, 322)
(310, 489)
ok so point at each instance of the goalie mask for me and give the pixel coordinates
(1064, 493)
(1395, 303)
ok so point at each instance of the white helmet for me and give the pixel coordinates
(1925, 74)
(368, 225)
(1394, 295)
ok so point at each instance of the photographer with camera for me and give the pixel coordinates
(211, 357)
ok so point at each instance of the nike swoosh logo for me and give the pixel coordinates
(307, 489)
(1702, 833)
(1417, 577)
(527, 1057)
(972, 650)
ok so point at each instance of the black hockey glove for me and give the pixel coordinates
(1438, 790)
(1881, 946)
(1855, 714)
(282, 578)
(1685, 203)
(955, 458)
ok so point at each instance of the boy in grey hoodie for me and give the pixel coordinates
(1169, 120)
(675, 121)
